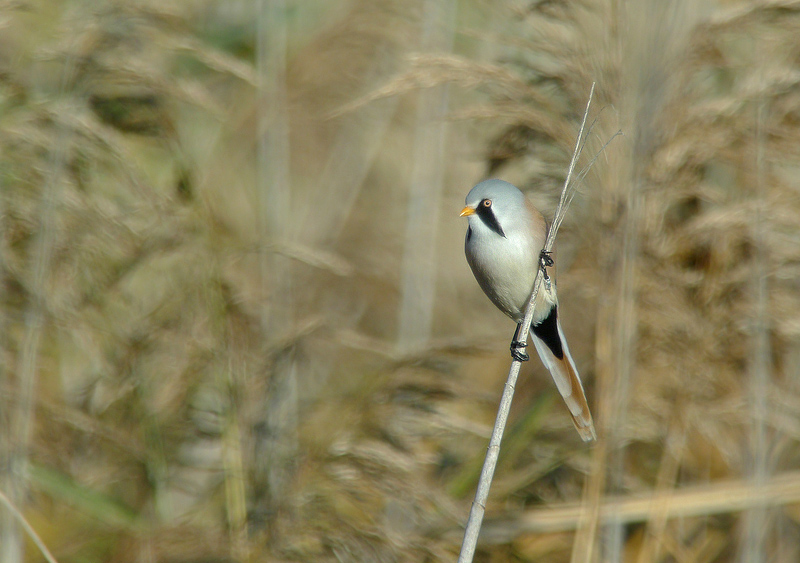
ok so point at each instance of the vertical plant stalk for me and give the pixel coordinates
(615, 353)
(23, 415)
(657, 532)
(276, 444)
(624, 351)
(21, 419)
(235, 481)
(756, 519)
(273, 154)
(9, 536)
(427, 179)
(478, 509)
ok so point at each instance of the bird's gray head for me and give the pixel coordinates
(494, 204)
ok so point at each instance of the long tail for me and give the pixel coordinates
(549, 340)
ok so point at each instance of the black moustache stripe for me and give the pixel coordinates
(487, 216)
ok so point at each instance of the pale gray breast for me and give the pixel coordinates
(505, 267)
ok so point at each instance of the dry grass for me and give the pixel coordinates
(149, 359)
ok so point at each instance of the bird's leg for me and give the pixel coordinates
(518, 347)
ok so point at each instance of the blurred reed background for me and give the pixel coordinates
(237, 322)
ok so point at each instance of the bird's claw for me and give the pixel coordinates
(518, 351)
(545, 261)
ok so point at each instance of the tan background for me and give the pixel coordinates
(238, 323)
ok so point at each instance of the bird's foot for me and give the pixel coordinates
(518, 351)
(545, 261)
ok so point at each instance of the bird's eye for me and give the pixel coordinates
(487, 202)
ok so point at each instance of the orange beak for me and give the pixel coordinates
(467, 211)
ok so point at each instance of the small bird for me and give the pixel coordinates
(504, 247)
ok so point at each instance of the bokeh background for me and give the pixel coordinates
(237, 323)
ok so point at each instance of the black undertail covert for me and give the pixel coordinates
(547, 331)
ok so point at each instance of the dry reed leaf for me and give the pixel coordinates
(719, 498)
